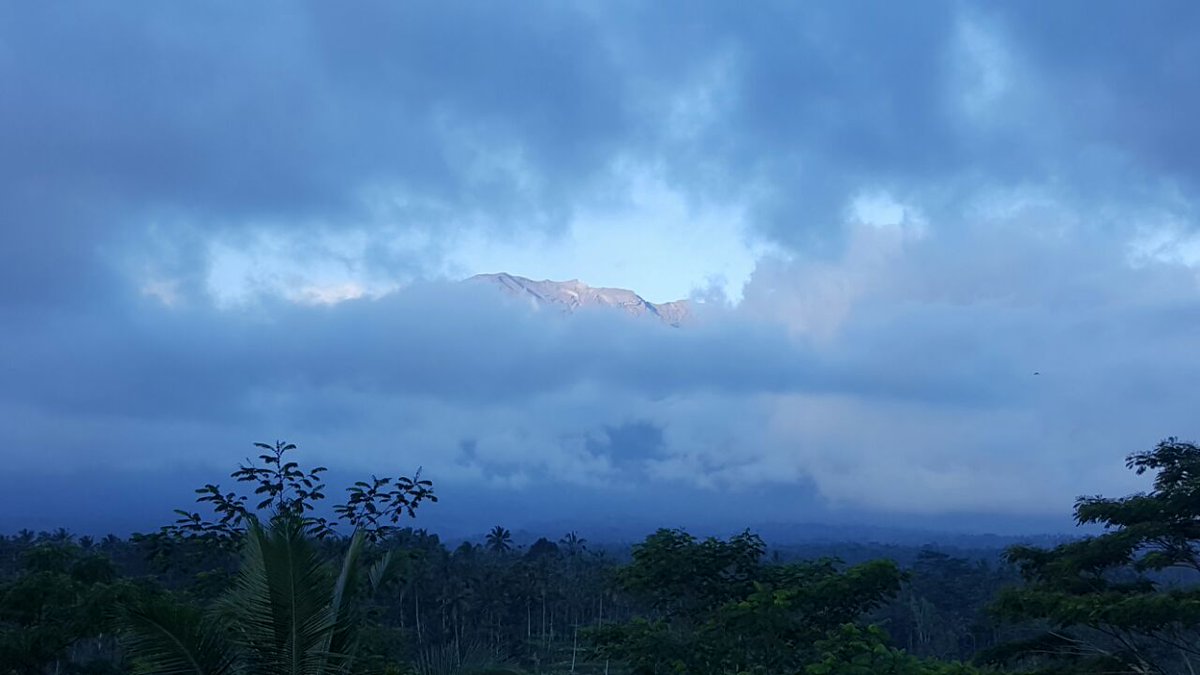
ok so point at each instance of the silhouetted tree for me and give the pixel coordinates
(285, 613)
(1109, 603)
(499, 540)
(285, 490)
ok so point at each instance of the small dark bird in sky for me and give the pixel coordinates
(1036, 373)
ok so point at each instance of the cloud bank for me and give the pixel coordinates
(947, 253)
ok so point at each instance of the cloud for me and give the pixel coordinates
(919, 398)
(225, 222)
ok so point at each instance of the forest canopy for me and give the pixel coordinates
(265, 578)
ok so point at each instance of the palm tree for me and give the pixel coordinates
(573, 543)
(285, 615)
(499, 540)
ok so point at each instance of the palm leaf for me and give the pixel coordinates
(382, 571)
(340, 638)
(166, 638)
(282, 598)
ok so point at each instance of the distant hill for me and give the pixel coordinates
(568, 296)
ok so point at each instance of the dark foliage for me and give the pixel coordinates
(284, 489)
(1125, 601)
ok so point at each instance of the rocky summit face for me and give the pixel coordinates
(574, 294)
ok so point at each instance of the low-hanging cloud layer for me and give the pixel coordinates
(944, 255)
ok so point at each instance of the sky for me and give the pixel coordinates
(945, 255)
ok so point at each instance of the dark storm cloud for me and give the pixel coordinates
(234, 110)
(1122, 75)
(220, 115)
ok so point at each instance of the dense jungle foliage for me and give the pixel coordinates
(264, 583)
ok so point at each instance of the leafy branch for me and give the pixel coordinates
(286, 491)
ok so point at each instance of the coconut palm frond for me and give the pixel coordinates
(384, 570)
(340, 638)
(171, 639)
(282, 599)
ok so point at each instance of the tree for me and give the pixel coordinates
(942, 610)
(287, 612)
(714, 607)
(542, 548)
(58, 601)
(286, 491)
(284, 614)
(499, 540)
(573, 544)
(1116, 602)
(852, 650)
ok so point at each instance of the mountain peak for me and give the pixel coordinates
(573, 294)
